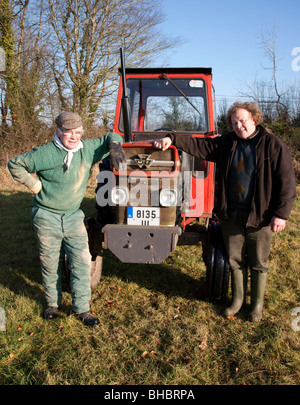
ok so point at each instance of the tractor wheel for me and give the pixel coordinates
(95, 244)
(96, 271)
(210, 258)
(217, 272)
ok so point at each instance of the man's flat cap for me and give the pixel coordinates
(68, 120)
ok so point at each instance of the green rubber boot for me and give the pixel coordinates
(258, 285)
(238, 287)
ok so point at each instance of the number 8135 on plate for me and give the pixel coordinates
(144, 216)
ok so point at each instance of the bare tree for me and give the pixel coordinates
(64, 54)
(269, 42)
(274, 100)
(88, 35)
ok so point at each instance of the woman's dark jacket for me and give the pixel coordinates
(275, 183)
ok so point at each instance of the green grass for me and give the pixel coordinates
(156, 326)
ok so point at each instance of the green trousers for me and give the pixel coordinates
(54, 231)
(246, 246)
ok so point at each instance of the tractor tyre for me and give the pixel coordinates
(95, 237)
(210, 258)
(217, 272)
(96, 271)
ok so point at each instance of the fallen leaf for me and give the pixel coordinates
(203, 345)
(109, 303)
(144, 354)
(19, 327)
(31, 334)
(11, 355)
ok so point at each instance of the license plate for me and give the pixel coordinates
(145, 216)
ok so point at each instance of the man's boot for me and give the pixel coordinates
(258, 285)
(238, 287)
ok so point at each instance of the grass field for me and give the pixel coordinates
(156, 326)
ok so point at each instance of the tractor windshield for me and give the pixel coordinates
(163, 105)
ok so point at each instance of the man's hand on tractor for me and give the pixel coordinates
(117, 155)
(163, 143)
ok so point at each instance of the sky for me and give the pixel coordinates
(224, 35)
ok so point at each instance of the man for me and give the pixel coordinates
(255, 192)
(62, 168)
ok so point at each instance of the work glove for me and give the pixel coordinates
(117, 155)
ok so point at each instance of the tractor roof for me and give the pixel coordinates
(174, 70)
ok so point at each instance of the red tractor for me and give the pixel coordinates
(161, 199)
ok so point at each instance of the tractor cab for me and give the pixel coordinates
(163, 100)
(161, 199)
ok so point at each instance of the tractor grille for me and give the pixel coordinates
(148, 159)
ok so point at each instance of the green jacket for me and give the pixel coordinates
(62, 190)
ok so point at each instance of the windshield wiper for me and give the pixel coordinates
(181, 92)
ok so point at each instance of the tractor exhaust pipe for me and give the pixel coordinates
(125, 102)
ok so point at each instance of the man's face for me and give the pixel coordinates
(243, 123)
(70, 138)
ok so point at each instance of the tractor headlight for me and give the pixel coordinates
(168, 198)
(119, 195)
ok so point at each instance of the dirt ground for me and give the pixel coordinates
(7, 182)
